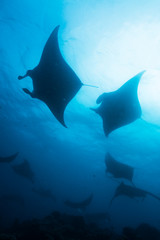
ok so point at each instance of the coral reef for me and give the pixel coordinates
(61, 226)
(58, 226)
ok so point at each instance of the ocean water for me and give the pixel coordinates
(105, 43)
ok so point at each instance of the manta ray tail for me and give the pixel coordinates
(151, 194)
(88, 85)
(63, 123)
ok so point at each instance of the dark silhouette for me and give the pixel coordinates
(54, 82)
(118, 169)
(24, 169)
(131, 192)
(120, 107)
(8, 159)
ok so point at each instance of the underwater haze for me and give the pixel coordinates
(105, 43)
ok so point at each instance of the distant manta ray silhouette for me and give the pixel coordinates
(24, 169)
(120, 107)
(8, 159)
(54, 82)
(131, 192)
(118, 169)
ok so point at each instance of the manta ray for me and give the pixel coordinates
(120, 107)
(118, 169)
(79, 205)
(23, 169)
(8, 159)
(54, 82)
(131, 192)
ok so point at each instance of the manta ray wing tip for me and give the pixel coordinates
(63, 124)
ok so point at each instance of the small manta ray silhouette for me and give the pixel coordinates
(24, 169)
(54, 82)
(120, 107)
(131, 192)
(118, 169)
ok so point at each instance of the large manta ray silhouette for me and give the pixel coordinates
(131, 192)
(54, 82)
(120, 107)
(118, 169)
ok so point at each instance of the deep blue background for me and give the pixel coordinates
(106, 43)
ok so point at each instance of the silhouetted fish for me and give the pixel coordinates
(47, 193)
(79, 205)
(54, 82)
(120, 107)
(8, 159)
(24, 169)
(132, 192)
(117, 169)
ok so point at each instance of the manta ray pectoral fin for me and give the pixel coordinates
(28, 92)
(59, 115)
(62, 122)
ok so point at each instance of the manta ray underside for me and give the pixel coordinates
(120, 107)
(54, 82)
(118, 169)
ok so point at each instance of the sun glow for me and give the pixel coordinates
(107, 57)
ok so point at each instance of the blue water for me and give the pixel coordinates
(106, 43)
